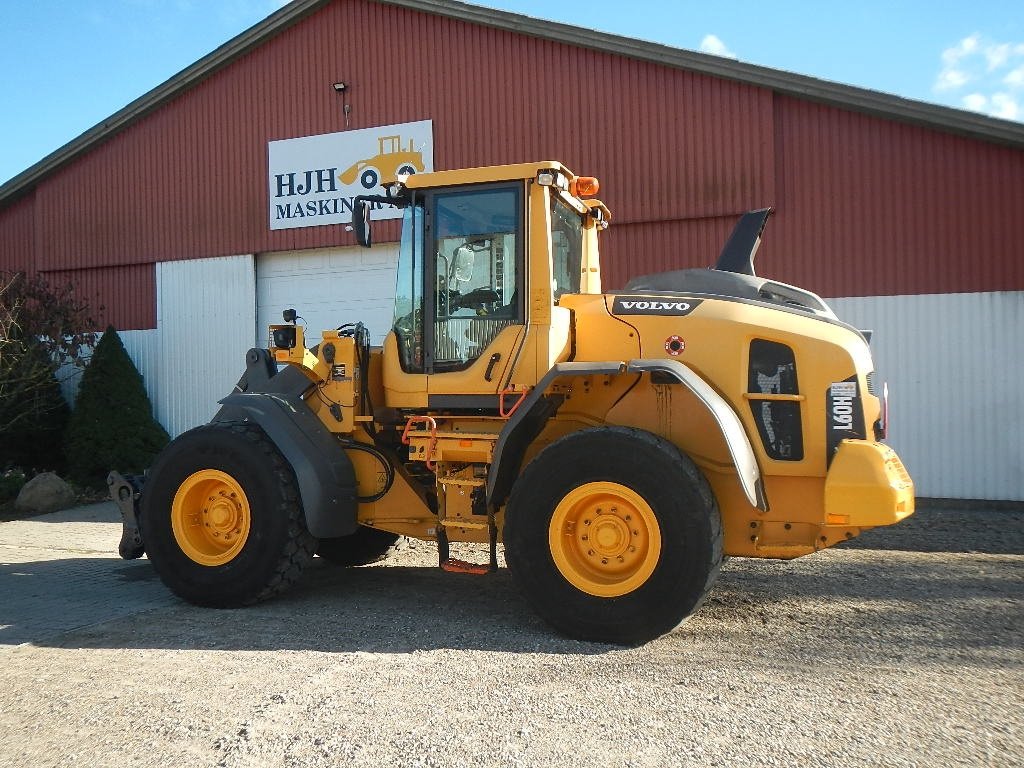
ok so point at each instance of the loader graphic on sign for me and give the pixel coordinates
(390, 161)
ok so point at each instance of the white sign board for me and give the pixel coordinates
(313, 180)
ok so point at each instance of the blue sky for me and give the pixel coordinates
(67, 65)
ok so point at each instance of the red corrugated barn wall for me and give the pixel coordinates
(866, 206)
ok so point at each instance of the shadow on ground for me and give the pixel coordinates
(945, 584)
(931, 529)
(905, 607)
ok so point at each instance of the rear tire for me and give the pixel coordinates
(365, 546)
(613, 535)
(222, 519)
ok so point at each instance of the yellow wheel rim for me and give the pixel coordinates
(210, 517)
(605, 539)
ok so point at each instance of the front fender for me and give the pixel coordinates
(324, 473)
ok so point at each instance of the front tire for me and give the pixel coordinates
(222, 518)
(613, 535)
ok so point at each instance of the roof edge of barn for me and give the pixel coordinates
(848, 97)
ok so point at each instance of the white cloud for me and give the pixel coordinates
(976, 101)
(712, 44)
(952, 75)
(965, 47)
(950, 79)
(997, 55)
(993, 71)
(1005, 106)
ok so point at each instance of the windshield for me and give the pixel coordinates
(409, 291)
(566, 247)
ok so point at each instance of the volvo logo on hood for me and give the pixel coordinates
(653, 305)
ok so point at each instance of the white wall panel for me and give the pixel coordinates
(328, 287)
(955, 367)
(143, 347)
(206, 322)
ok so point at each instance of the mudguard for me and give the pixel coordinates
(325, 476)
(537, 408)
(735, 435)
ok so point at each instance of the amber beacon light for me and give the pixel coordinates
(585, 186)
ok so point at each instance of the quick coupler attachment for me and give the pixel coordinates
(124, 491)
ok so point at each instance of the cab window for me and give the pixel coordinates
(408, 325)
(477, 240)
(566, 247)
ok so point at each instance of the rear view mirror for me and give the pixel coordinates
(361, 222)
(462, 264)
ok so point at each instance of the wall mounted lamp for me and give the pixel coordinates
(342, 88)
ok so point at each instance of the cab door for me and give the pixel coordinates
(475, 297)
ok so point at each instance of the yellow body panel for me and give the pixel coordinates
(473, 380)
(867, 485)
(482, 175)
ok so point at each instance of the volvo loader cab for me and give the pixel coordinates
(618, 445)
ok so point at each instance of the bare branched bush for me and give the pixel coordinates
(45, 331)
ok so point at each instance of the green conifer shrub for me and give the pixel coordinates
(112, 425)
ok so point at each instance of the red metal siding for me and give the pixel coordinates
(122, 296)
(865, 205)
(629, 250)
(874, 207)
(17, 235)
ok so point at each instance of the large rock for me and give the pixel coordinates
(44, 493)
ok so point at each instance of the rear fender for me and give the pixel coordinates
(538, 407)
(740, 449)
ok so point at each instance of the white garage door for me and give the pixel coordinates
(328, 287)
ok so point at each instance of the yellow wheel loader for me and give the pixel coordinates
(618, 445)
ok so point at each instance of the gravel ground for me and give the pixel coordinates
(903, 648)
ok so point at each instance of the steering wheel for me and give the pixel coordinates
(483, 300)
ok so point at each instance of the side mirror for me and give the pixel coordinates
(361, 222)
(462, 264)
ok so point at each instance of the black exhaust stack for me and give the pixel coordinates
(738, 253)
